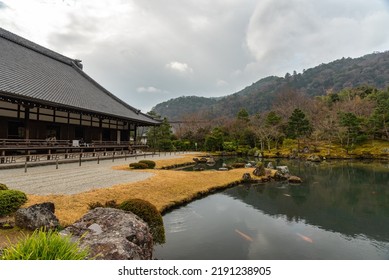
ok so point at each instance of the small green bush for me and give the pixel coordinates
(10, 201)
(45, 245)
(3, 187)
(148, 213)
(151, 164)
(137, 165)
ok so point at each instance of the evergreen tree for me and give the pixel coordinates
(298, 125)
(160, 137)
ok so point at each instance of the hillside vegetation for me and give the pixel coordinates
(371, 70)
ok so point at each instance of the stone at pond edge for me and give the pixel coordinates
(38, 216)
(259, 171)
(314, 158)
(112, 234)
(278, 176)
(295, 180)
(246, 177)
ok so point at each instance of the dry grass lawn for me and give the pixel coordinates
(167, 188)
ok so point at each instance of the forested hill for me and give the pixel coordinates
(372, 70)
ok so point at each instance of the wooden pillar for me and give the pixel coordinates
(101, 130)
(118, 136)
(27, 123)
(135, 133)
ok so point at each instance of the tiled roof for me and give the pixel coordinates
(33, 72)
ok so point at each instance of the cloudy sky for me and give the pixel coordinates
(148, 51)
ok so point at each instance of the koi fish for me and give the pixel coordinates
(243, 235)
(288, 195)
(305, 238)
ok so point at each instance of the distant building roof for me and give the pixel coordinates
(32, 72)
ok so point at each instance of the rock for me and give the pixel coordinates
(314, 158)
(112, 234)
(284, 170)
(259, 171)
(223, 169)
(37, 216)
(295, 180)
(279, 176)
(246, 177)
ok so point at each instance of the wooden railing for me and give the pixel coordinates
(20, 143)
(33, 143)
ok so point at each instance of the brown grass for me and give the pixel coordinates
(167, 188)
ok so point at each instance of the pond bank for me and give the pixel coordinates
(165, 189)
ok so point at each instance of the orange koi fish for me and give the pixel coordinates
(305, 238)
(243, 235)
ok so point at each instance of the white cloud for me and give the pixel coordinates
(179, 67)
(148, 89)
(221, 83)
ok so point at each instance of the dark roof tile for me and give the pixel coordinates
(34, 72)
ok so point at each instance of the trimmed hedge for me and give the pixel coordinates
(10, 201)
(151, 164)
(149, 213)
(138, 165)
(3, 187)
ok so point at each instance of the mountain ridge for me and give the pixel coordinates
(371, 69)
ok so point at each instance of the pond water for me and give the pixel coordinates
(341, 211)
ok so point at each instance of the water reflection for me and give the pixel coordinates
(341, 211)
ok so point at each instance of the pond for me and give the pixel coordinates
(340, 211)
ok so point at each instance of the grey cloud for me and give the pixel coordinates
(148, 51)
(293, 34)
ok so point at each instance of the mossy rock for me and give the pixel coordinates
(3, 187)
(10, 201)
(148, 213)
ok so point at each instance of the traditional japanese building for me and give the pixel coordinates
(45, 95)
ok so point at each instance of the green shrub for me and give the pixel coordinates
(151, 164)
(137, 165)
(148, 213)
(10, 201)
(3, 187)
(45, 245)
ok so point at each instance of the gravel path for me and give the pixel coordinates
(70, 178)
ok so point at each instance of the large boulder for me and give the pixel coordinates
(112, 234)
(38, 216)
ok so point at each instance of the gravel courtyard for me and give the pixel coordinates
(70, 178)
